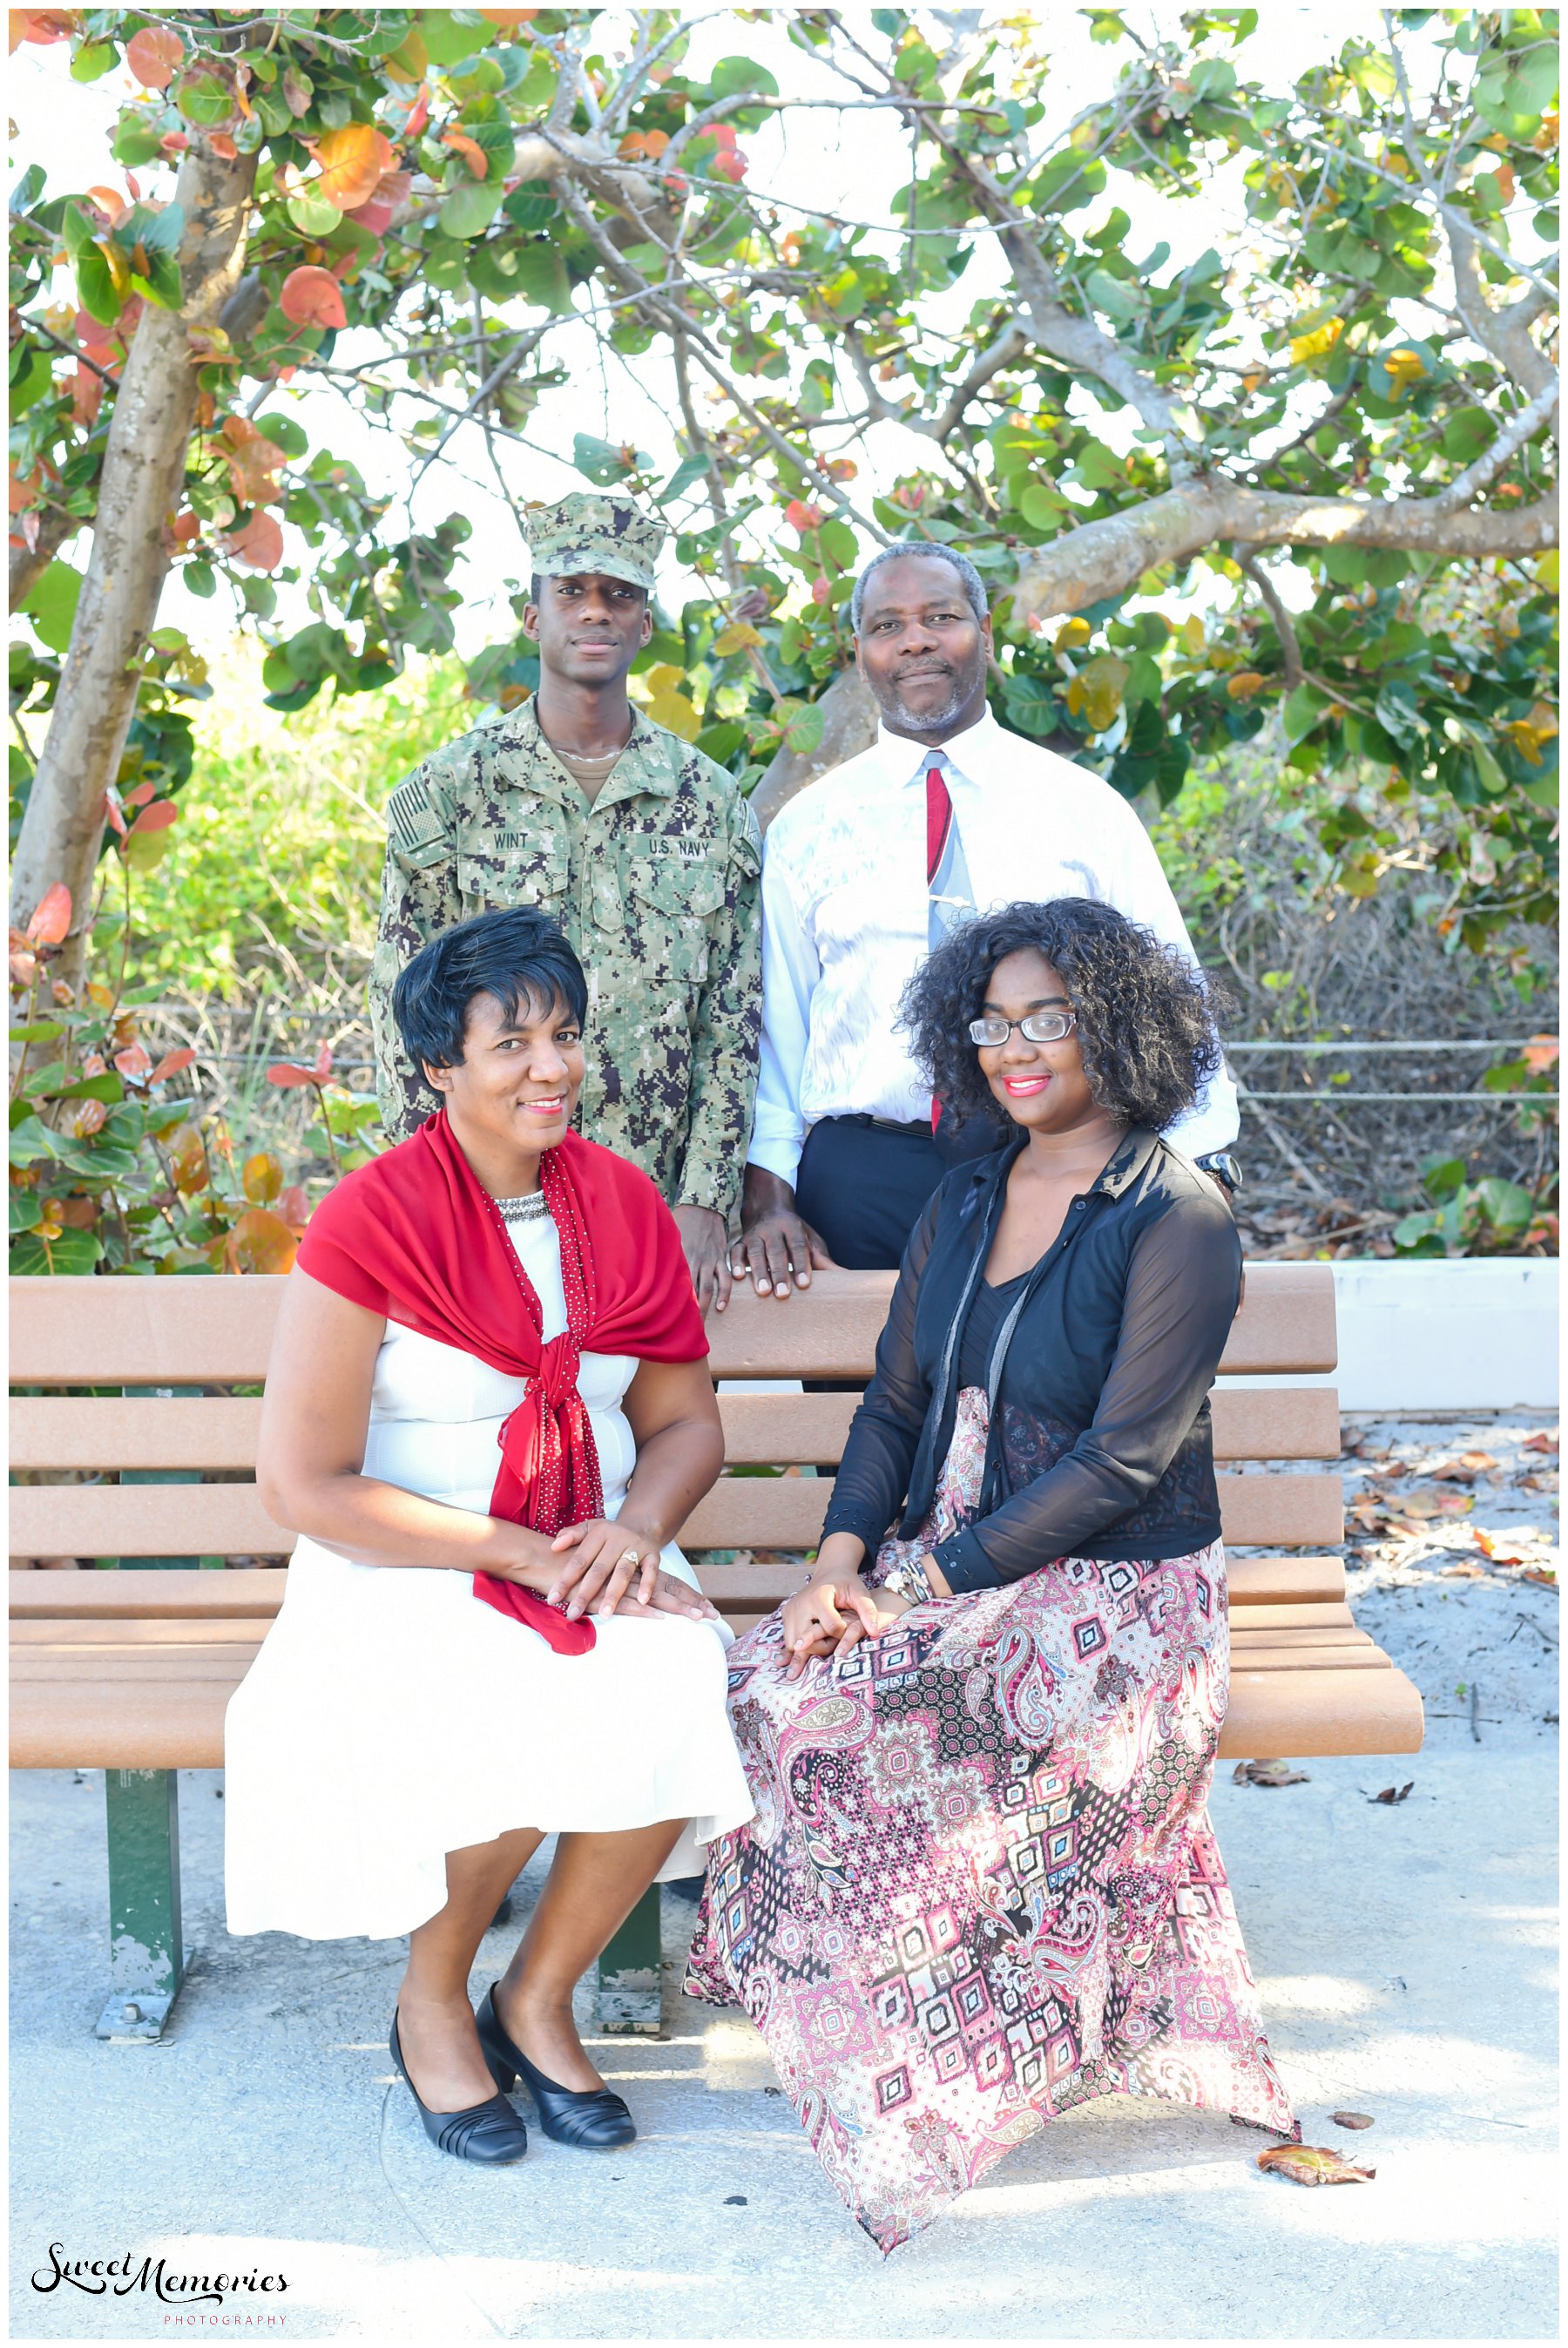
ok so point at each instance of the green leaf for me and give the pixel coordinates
(313, 215)
(527, 209)
(94, 290)
(603, 461)
(732, 73)
(34, 381)
(93, 60)
(1212, 77)
(71, 1255)
(51, 604)
(204, 100)
(470, 208)
(162, 281)
(1042, 505)
(450, 34)
(31, 1140)
(26, 1211)
(1302, 711)
(803, 731)
(290, 437)
(1507, 1207)
(690, 470)
(1466, 433)
(542, 280)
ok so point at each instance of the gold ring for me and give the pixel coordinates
(629, 1557)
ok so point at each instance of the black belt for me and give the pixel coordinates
(922, 1125)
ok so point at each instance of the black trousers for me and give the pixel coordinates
(863, 1184)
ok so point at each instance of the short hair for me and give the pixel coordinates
(1145, 1015)
(514, 954)
(927, 550)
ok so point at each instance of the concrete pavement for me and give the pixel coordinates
(1405, 1956)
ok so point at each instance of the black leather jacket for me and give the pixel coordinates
(1099, 1443)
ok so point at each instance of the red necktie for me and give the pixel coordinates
(939, 836)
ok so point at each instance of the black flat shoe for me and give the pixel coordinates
(589, 2120)
(489, 2132)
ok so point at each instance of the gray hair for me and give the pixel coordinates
(929, 552)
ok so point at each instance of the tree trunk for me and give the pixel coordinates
(849, 726)
(1104, 558)
(144, 469)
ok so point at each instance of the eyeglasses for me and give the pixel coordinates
(1039, 1027)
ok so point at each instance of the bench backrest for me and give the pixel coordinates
(178, 1334)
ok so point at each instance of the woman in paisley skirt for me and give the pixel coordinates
(980, 1886)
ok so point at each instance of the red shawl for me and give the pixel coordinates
(414, 1237)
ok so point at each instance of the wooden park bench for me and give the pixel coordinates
(130, 1671)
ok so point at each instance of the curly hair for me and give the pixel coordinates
(1145, 1017)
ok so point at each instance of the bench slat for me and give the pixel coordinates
(246, 1592)
(53, 1431)
(106, 1724)
(219, 1332)
(740, 1512)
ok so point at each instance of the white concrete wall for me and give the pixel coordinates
(1477, 1334)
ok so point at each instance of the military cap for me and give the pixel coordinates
(583, 532)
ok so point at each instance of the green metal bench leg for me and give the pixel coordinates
(148, 1956)
(630, 1973)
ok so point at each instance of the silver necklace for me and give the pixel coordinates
(529, 1208)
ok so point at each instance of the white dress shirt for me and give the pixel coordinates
(845, 909)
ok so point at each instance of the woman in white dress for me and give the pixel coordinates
(488, 1383)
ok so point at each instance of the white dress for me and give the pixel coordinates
(392, 1716)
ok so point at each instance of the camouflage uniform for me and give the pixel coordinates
(657, 887)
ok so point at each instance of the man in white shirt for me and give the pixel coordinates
(946, 814)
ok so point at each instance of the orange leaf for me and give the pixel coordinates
(261, 1242)
(323, 1066)
(295, 1206)
(1539, 1054)
(188, 1162)
(222, 144)
(91, 1118)
(170, 1065)
(287, 1073)
(260, 545)
(110, 201)
(51, 917)
(261, 1178)
(255, 463)
(155, 56)
(87, 395)
(354, 160)
(313, 298)
(42, 25)
(471, 151)
(156, 818)
(509, 16)
(134, 1063)
(803, 517)
(1312, 2164)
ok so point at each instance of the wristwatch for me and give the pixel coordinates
(1222, 1167)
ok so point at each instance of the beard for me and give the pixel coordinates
(930, 721)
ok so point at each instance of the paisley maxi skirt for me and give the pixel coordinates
(980, 1886)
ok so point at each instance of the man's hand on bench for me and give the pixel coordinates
(774, 1243)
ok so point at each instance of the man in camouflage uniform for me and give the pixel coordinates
(641, 845)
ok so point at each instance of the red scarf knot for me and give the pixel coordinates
(414, 1237)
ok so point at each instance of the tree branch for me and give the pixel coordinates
(1519, 429)
(1107, 557)
(29, 564)
(1284, 625)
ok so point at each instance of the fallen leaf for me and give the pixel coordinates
(1463, 1571)
(1462, 1470)
(1391, 1795)
(1542, 1575)
(1540, 1441)
(1518, 1547)
(1312, 2164)
(1268, 1773)
(1351, 2120)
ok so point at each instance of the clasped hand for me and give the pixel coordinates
(832, 1615)
(591, 1567)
